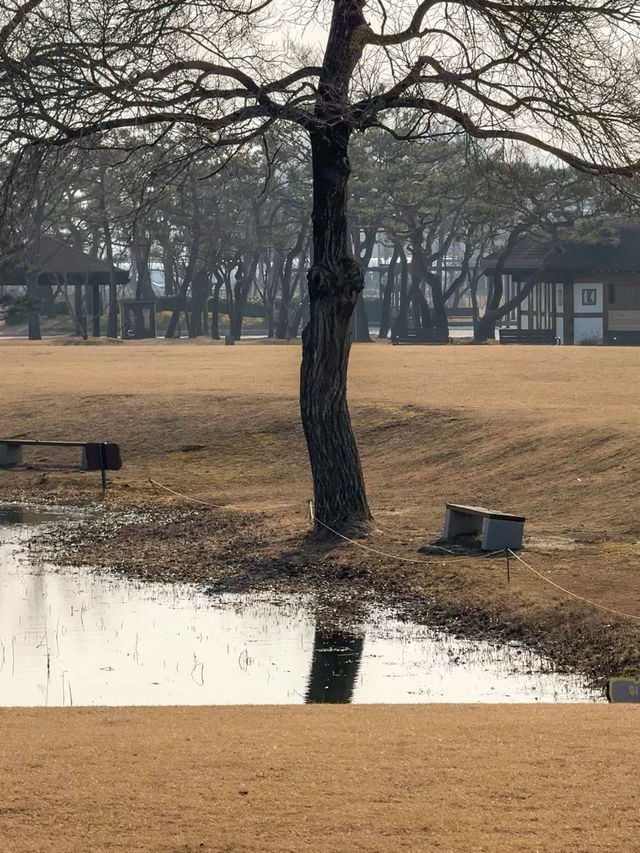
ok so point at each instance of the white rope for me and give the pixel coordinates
(185, 497)
(573, 594)
(367, 548)
(395, 556)
(197, 500)
(335, 532)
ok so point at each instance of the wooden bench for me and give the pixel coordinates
(527, 336)
(96, 455)
(424, 336)
(497, 529)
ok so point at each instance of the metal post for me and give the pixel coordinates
(506, 551)
(103, 470)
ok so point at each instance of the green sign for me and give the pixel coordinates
(623, 690)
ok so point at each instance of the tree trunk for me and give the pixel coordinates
(298, 317)
(238, 303)
(289, 284)
(486, 326)
(335, 280)
(33, 315)
(385, 312)
(81, 320)
(181, 305)
(485, 329)
(168, 262)
(141, 251)
(215, 310)
(400, 325)
(200, 289)
(439, 319)
(48, 305)
(360, 323)
(112, 313)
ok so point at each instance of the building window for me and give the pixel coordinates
(612, 294)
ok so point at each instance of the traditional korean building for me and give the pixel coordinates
(589, 292)
(57, 267)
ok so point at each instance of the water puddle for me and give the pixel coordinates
(81, 637)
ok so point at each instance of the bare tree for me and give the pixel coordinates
(557, 75)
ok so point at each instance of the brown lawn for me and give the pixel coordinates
(381, 779)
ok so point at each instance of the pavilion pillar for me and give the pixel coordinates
(95, 309)
(567, 305)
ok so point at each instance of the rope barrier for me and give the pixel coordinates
(573, 594)
(185, 497)
(313, 517)
(197, 500)
(367, 548)
(395, 556)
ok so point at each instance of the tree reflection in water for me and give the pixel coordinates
(334, 666)
(11, 515)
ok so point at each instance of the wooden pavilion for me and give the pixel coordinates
(54, 266)
(589, 292)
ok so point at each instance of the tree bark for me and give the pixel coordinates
(215, 309)
(485, 327)
(289, 282)
(439, 319)
(363, 249)
(335, 281)
(238, 303)
(33, 315)
(385, 312)
(360, 323)
(298, 317)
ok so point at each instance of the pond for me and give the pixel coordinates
(87, 637)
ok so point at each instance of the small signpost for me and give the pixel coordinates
(623, 690)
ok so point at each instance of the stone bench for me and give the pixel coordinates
(424, 336)
(527, 336)
(497, 530)
(96, 455)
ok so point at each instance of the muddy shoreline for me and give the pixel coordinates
(227, 551)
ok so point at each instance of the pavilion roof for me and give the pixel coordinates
(58, 258)
(619, 254)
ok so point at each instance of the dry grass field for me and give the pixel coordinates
(379, 779)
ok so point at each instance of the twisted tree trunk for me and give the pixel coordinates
(385, 316)
(335, 280)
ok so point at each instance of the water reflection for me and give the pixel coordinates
(13, 514)
(86, 638)
(335, 663)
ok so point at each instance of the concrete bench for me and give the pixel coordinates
(497, 529)
(96, 455)
(424, 336)
(527, 336)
